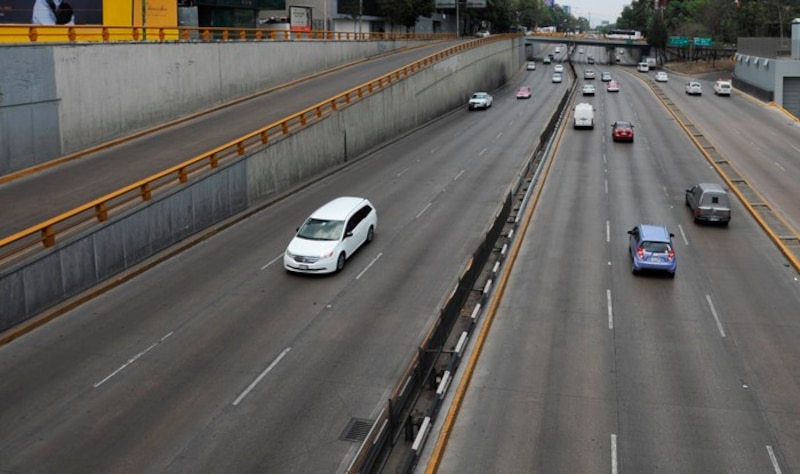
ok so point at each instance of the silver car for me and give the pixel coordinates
(709, 202)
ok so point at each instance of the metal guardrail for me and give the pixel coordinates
(48, 233)
(101, 33)
(779, 230)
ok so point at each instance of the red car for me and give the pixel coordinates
(622, 132)
(612, 86)
(524, 92)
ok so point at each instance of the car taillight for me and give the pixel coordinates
(670, 255)
(640, 252)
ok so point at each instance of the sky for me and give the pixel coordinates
(596, 10)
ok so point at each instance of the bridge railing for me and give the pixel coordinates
(101, 33)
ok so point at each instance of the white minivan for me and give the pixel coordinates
(643, 67)
(584, 116)
(331, 235)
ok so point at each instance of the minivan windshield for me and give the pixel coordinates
(321, 229)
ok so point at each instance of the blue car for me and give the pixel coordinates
(650, 247)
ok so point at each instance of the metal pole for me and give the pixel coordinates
(360, 14)
(458, 24)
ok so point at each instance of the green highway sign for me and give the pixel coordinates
(678, 41)
(702, 41)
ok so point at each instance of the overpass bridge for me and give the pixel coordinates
(640, 47)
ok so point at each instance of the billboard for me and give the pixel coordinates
(52, 12)
(300, 18)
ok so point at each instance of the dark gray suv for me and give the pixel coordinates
(709, 202)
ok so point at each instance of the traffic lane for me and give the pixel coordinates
(205, 338)
(542, 389)
(667, 322)
(758, 140)
(48, 193)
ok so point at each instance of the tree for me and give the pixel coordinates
(405, 12)
(657, 35)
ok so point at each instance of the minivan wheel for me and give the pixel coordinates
(340, 262)
(370, 234)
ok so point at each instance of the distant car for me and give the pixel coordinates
(661, 76)
(722, 88)
(524, 92)
(331, 235)
(612, 86)
(557, 78)
(588, 74)
(531, 66)
(643, 67)
(590, 60)
(558, 68)
(480, 100)
(605, 76)
(558, 50)
(588, 89)
(709, 202)
(547, 60)
(620, 51)
(482, 34)
(580, 50)
(622, 131)
(650, 248)
(694, 88)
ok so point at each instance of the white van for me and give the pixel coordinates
(643, 67)
(331, 235)
(584, 116)
(722, 88)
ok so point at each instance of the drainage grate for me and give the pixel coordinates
(356, 430)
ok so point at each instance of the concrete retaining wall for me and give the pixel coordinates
(128, 239)
(58, 99)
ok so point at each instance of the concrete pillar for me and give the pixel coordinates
(796, 38)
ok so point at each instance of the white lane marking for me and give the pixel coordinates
(423, 210)
(605, 160)
(261, 376)
(608, 231)
(402, 173)
(133, 359)
(272, 261)
(610, 310)
(606, 186)
(796, 149)
(459, 175)
(369, 265)
(666, 193)
(774, 460)
(780, 167)
(434, 150)
(716, 317)
(482, 152)
(683, 235)
(614, 464)
(498, 136)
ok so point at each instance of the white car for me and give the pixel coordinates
(558, 68)
(580, 50)
(694, 88)
(480, 100)
(557, 77)
(722, 88)
(661, 76)
(331, 235)
(588, 74)
(531, 66)
(482, 34)
(605, 76)
(588, 89)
